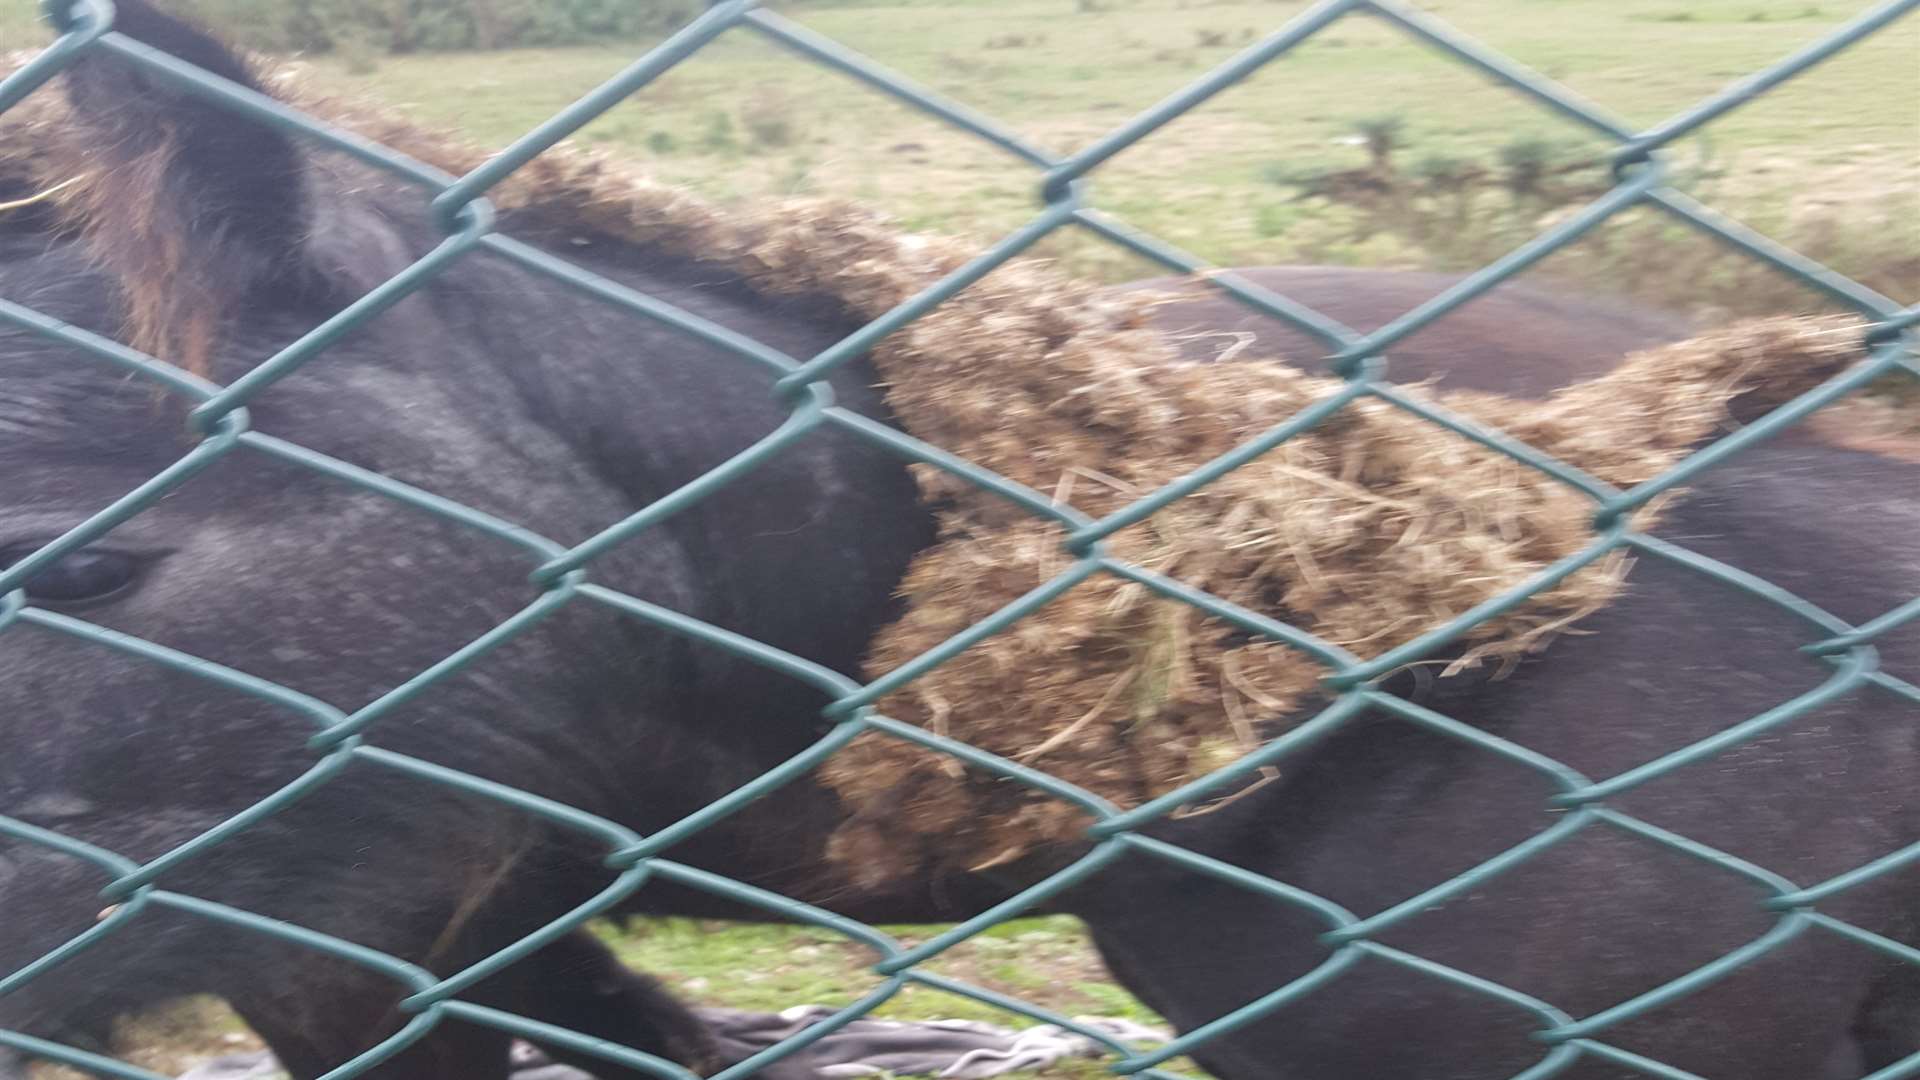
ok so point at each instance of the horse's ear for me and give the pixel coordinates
(193, 207)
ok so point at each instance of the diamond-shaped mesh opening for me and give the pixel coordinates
(564, 577)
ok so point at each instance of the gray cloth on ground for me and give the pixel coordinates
(948, 1049)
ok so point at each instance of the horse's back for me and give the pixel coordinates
(1519, 339)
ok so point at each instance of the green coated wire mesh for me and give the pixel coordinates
(565, 575)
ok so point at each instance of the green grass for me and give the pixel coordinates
(1045, 961)
(1830, 162)
(1839, 135)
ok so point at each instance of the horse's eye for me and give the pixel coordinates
(85, 575)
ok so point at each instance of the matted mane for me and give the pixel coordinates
(1366, 530)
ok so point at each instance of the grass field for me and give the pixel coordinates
(1046, 961)
(1831, 161)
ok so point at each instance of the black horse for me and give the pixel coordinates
(221, 240)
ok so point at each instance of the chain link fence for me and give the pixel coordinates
(564, 575)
